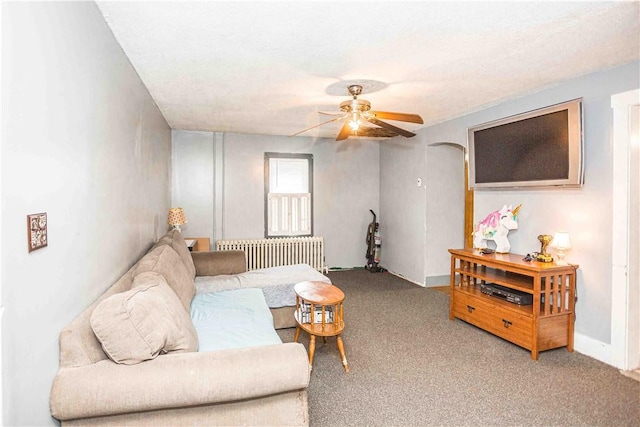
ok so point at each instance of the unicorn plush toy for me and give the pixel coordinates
(495, 227)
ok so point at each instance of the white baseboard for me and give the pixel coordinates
(592, 348)
(405, 278)
(444, 280)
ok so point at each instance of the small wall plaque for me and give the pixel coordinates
(37, 231)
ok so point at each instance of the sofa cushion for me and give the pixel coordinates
(174, 239)
(164, 260)
(233, 319)
(143, 322)
(276, 282)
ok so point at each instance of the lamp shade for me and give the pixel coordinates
(561, 240)
(177, 216)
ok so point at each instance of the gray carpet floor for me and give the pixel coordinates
(411, 365)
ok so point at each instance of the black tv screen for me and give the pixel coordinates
(535, 149)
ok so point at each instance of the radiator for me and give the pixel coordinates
(263, 253)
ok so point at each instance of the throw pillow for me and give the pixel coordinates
(143, 322)
(174, 239)
(164, 260)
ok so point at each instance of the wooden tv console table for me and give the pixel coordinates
(546, 324)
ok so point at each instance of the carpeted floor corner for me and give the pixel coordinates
(411, 365)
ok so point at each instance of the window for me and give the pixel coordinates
(288, 182)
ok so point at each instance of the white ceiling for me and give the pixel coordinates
(268, 67)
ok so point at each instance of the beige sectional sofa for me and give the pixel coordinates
(130, 358)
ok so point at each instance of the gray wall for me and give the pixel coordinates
(192, 184)
(421, 220)
(444, 211)
(585, 213)
(346, 182)
(402, 207)
(83, 141)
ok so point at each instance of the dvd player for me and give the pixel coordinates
(507, 294)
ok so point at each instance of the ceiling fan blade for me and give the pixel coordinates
(344, 132)
(390, 127)
(331, 113)
(401, 117)
(323, 123)
(373, 132)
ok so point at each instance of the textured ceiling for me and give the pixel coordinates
(268, 67)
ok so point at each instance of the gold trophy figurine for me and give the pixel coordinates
(543, 256)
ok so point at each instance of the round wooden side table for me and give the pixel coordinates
(319, 312)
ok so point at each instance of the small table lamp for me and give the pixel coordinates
(177, 218)
(562, 243)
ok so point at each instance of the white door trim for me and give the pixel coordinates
(625, 330)
(1, 306)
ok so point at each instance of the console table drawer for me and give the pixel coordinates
(504, 323)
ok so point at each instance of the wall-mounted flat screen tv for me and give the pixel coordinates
(541, 148)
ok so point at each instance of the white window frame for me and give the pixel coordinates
(288, 214)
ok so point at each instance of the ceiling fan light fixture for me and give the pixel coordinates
(356, 112)
(355, 122)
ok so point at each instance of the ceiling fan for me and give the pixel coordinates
(357, 113)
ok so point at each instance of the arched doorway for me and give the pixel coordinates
(468, 193)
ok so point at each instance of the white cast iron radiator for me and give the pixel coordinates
(263, 253)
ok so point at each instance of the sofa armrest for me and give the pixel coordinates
(219, 262)
(178, 380)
